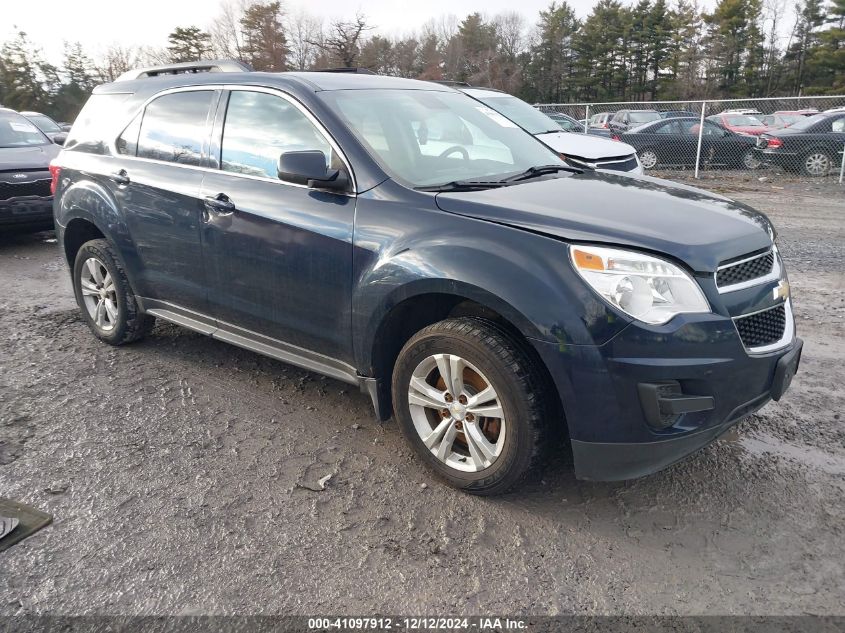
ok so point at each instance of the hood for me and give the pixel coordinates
(696, 227)
(587, 146)
(24, 158)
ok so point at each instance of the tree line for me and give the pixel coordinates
(651, 49)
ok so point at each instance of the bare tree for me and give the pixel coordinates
(115, 61)
(510, 31)
(303, 31)
(343, 40)
(225, 31)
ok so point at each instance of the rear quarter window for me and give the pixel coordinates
(97, 123)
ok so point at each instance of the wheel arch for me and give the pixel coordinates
(431, 304)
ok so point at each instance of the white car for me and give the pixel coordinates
(582, 150)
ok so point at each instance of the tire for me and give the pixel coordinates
(816, 163)
(105, 297)
(648, 158)
(489, 357)
(750, 161)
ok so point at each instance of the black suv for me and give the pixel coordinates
(483, 292)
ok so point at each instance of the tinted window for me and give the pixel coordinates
(259, 128)
(670, 127)
(16, 131)
(174, 127)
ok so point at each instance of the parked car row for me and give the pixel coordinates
(811, 144)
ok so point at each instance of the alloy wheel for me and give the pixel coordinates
(456, 412)
(648, 159)
(99, 294)
(750, 161)
(817, 164)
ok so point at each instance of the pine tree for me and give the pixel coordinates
(188, 44)
(263, 36)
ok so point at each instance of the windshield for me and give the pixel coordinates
(525, 116)
(44, 123)
(743, 120)
(643, 117)
(427, 138)
(16, 131)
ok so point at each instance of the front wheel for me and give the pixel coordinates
(472, 403)
(648, 158)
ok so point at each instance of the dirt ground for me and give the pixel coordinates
(178, 471)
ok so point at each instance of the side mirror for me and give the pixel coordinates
(59, 139)
(309, 168)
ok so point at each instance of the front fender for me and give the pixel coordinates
(402, 251)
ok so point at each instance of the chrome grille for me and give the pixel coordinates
(762, 328)
(745, 270)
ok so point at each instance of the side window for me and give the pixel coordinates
(260, 127)
(127, 142)
(839, 125)
(710, 129)
(670, 127)
(174, 127)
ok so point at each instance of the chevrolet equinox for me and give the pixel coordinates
(399, 236)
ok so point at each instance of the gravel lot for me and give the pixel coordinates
(179, 471)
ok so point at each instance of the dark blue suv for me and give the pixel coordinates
(398, 236)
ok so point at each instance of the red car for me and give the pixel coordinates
(740, 123)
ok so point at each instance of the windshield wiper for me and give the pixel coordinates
(541, 170)
(478, 185)
(464, 185)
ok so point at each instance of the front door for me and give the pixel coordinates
(279, 254)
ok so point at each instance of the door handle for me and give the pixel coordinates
(220, 204)
(120, 177)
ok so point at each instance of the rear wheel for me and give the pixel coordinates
(648, 158)
(103, 293)
(816, 163)
(472, 404)
(750, 161)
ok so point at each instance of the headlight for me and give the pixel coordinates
(650, 289)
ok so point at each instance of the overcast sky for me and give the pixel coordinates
(99, 23)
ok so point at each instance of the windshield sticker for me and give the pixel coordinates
(22, 127)
(495, 116)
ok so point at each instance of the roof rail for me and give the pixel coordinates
(203, 66)
(353, 70)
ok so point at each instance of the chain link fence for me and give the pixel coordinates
(790, 137)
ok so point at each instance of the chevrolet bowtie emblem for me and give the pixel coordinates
(781, 291)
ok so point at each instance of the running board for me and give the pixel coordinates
(277, 349)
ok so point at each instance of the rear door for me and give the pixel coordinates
(157, 177)
(280, 257)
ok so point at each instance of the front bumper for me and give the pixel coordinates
(26, 211)
(602, 398)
